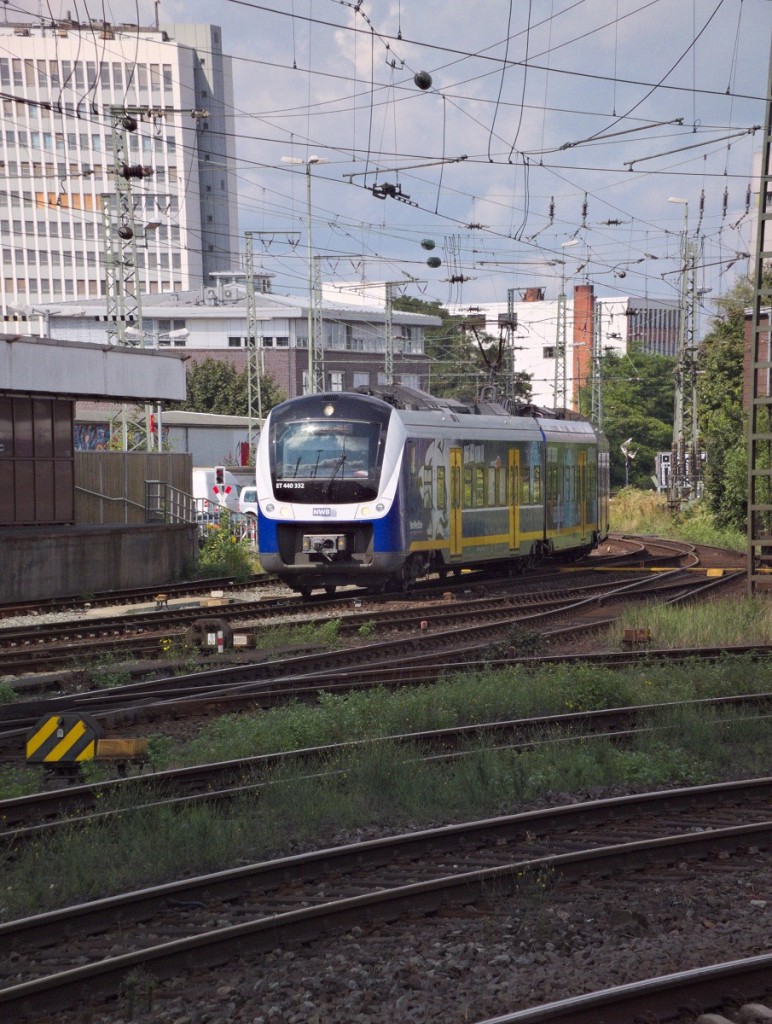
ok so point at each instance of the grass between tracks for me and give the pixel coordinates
(645, 512)
(386, 784)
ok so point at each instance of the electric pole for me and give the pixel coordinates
(760, 419)
(685, 482)
(119, 240)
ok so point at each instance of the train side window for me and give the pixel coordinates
(501, 486)
(537, 485)
(426, 486)
(479, 486)
(492, 480)
(442, 494)
(525, 485)
(467, 487)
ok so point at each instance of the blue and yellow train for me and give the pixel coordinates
(383, 486)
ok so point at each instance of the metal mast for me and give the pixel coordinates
(119, 238)
(388, 356)
(596, 410)
(685, 464)
(254, 354)
(119, 241)
(316, 327)
(509, 323)
(559, 391)
(760, 418)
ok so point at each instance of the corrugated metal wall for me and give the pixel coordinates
(110, 486)
(36, 461)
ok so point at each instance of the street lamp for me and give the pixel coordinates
(312, 159)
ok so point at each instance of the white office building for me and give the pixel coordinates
(621, 321)
(63, 85)
(211, 322)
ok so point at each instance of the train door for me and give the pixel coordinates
(583, 495)
(456, 459)
(514, 499)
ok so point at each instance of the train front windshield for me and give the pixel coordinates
(330, 458)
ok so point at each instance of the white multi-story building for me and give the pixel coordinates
(211, 322)
(63, 86)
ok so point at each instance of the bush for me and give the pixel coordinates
(222, 554)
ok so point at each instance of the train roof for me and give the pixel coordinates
(428, 414)
(414, 400)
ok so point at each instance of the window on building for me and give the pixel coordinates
(336, 381)
(361, 380)
(235, 342)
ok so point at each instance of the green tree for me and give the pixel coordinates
(720, 415)
(213, 385)
(458, 368)
(637, 404)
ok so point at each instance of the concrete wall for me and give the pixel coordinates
(51, 562)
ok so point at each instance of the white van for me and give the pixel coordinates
(248, 501)
(215, 487)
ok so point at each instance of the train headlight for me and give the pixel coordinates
(340, 543)
(365, 510)
(306, 544)
(284, 511)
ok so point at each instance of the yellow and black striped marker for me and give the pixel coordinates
(65, 739)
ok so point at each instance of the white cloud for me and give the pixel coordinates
(310, 83)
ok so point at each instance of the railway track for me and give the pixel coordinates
(145, 636)
(277, 681)
(135, 595)
(38, 815)
(72, 635)
(734, 983)
(168, 929)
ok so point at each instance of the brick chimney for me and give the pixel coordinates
(533, 295)
(584, 317)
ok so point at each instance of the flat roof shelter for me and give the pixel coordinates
(84, 370)
(46, 549)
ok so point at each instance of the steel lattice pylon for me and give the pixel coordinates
(316, 382)
(760, 384)
(559, 391)
(596, 413)
(254, 353)
(119, 241)
(685, 481)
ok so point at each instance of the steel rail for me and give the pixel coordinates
(656, 998)
(215, 946)
(78, 642)
(60, 808)
(135, 700)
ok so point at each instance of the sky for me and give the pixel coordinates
(490, 134)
